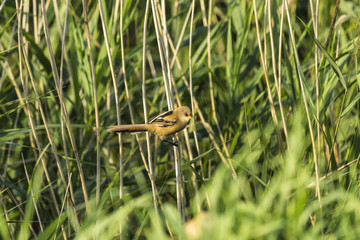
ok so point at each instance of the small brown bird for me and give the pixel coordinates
(163, 125)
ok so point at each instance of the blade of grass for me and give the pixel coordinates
(327, 55)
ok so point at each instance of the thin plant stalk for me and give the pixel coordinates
(96, 108)
(191, 84)
(116, 12)
(305, 102)
(266, 74)
(212, 98)
(62, 103)
(315, 16)
(151, 169)
(181, 37)
(64, 55)
(192, 102)
(203, 12)
(276, 78)
(279, 71)
(167, 57)
(160, 41)
(62, 113)
(177, 158)
(116, 95)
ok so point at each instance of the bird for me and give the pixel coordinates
(162, 125)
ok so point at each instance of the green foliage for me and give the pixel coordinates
(59, 179)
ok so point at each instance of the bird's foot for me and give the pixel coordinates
(172, 143)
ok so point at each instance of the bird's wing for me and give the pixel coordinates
(163, 120)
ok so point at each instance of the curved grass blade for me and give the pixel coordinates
(327, 55)
(350, 106)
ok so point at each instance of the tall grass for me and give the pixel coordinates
(272, 150)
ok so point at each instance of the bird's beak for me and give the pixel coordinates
(189, 117)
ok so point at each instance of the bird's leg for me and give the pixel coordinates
(172, 143)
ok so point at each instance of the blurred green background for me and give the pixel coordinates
(271, 153)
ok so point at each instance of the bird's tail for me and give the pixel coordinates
(128, 128)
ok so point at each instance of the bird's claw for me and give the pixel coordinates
(172, 143)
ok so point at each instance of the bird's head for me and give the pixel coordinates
(184, 113)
